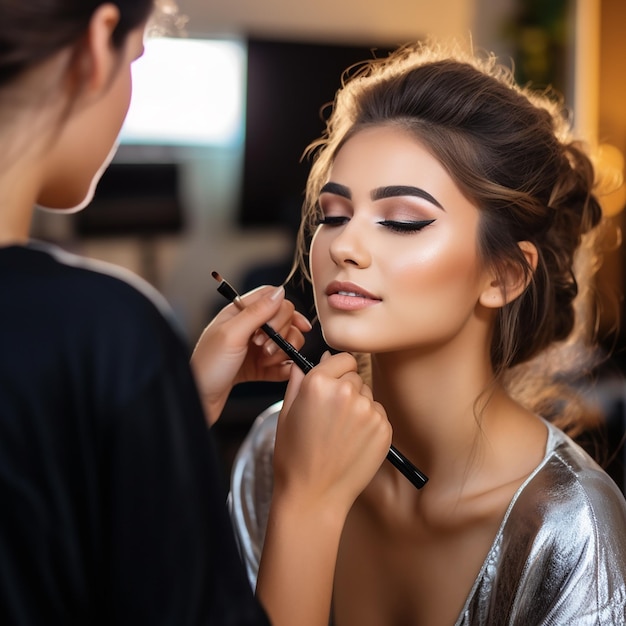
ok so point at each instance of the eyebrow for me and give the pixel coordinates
(337, 190)
(404, 190)
(380, 193)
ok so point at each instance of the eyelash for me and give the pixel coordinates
(405, 227)
(331, 221)
(397, 227)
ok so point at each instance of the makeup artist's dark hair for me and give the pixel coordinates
(33, 33)
(510, 152)
(34, 30)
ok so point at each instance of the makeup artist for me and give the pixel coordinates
(112, 504)
(454, 220)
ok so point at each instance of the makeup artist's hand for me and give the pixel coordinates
(332, 436)
(330, 441)
(233, 350)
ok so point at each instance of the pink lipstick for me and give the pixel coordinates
(347, 296)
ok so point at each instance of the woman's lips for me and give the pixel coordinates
(349, 297)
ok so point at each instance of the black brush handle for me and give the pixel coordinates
(401, 463)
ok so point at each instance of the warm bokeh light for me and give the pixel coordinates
(612, 192)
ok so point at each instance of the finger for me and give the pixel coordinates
(301, 322)
(231, 310)
(380, 409)
(292, 329)
(287, 316)
(367, 392)
(293, 336)
(336, 365)
(354, 379)
(283, 317)
(296, 376)
(256, 313)
(256, 294)
(283, 322)
(279, 372)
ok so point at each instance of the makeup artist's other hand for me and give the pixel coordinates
(331, 439)
(332, 436)
(232, 350)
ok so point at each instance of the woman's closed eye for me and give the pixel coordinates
(409, 226)
(400, 226)
(332, 220)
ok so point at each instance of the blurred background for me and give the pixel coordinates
(208, 175)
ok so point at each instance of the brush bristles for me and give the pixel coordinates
(225, 288)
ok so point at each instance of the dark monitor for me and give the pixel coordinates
(133, 199)
(288, 84)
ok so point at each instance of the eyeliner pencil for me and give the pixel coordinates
(394, 456)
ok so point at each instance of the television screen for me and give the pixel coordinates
(133, 199)
(187, 92)
(187, 99)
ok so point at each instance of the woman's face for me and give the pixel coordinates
(394, 262)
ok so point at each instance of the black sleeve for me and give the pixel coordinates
(113, 505)
(172, 557)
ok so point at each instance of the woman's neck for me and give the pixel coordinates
(453, 421)
(432, 402)
(18, 192)
(15, 221)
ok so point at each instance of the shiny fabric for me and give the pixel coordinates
(559, 557)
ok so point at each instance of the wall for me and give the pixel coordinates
(180, 266)
(353, 21)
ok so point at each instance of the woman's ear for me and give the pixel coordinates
(511, 282)
(97, 58)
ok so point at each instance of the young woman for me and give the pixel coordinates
(447, 207)
(112, 507)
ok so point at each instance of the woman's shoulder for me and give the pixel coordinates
(98, 280)
(251, 475)
(569, 484)
(570, 471)
(560, 554)
(62, 308)
(87, 294)
(569, 506)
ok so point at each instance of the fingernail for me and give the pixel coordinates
(270, 348)
(278, 293)
(259, 338)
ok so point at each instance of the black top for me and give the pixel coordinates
(113, 509)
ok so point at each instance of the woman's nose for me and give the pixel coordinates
(349, 246)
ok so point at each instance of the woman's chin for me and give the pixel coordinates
(343, 345)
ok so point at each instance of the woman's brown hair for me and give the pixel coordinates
(511, 153)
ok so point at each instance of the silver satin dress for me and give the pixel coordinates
(559, 557)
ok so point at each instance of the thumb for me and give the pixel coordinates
(259, 311)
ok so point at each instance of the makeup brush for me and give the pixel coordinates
(227, 290)
(394, 456)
